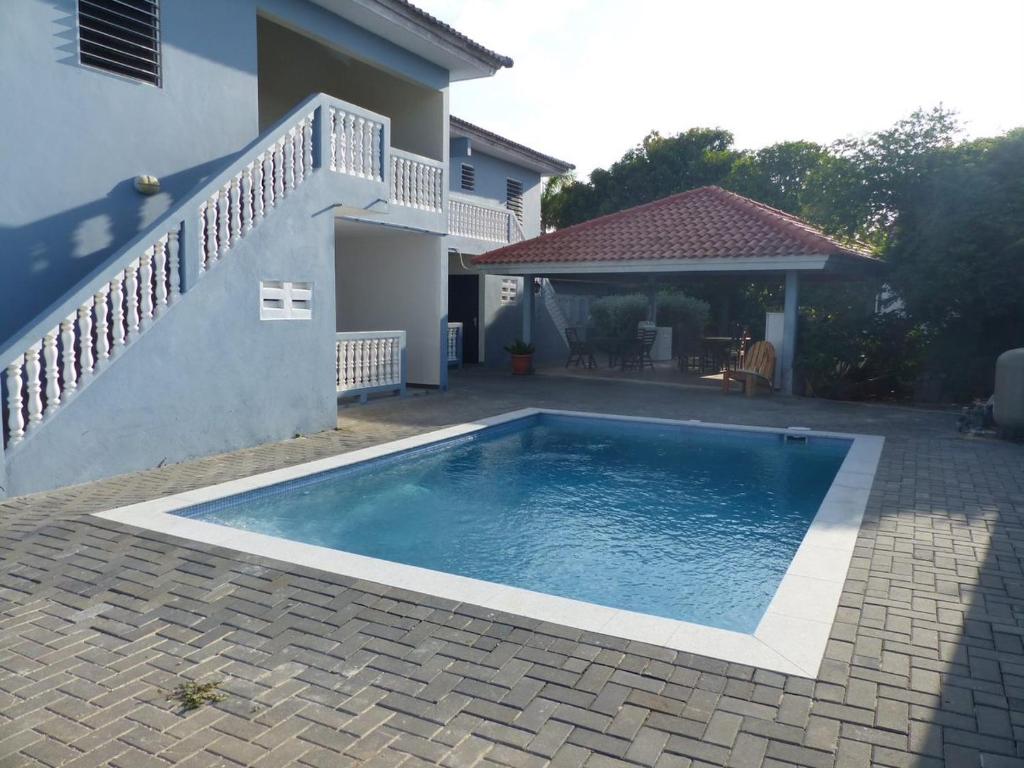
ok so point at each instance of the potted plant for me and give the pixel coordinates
(522, 357)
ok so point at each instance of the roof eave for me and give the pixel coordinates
(506, 149)
(427, 36)
(765, 264)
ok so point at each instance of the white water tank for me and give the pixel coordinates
(1009, 405)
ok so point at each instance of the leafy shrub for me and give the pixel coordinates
(676, 309)
(849, 356)
(617, 316)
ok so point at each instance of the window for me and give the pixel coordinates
(468, 177)
(514, 197)
(283, 300)
(509, 290)
(121, 36)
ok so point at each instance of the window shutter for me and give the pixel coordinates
(514, 197)
(121, 36)
(468, 177)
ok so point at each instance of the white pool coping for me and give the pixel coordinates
(790, 638)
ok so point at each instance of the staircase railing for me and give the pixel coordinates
(84, 332)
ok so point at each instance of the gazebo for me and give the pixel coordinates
(706, 231)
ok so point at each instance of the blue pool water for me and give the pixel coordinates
(684, 522)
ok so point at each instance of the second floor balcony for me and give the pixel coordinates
(482, 222)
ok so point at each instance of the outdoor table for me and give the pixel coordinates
(614, 347)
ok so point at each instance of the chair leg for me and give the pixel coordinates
(749, 385)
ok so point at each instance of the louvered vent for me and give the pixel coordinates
(121, 36)
(514, 197)
(468, 177)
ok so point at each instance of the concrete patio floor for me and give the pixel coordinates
(99, 622)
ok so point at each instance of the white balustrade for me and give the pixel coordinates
(82, 339)
(370, 361)
(356, 144)
(455, 344)
(416, 182)
(468, 218)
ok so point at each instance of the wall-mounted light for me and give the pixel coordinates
(147, 185)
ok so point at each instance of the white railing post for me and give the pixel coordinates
(174, 265)
(33, 386)
(15, 417)
(102, 343)
(67, 342)
(50, 369)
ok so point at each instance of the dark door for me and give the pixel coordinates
(464, 307)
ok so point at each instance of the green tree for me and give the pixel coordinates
(657, 167)
(956, 256)
(857, 191)
(776, 175)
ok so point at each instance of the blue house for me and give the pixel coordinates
(218, 217)
(494, 200)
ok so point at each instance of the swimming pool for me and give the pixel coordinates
(672, 532)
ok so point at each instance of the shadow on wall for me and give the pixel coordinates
(43, 260)
(207, 43)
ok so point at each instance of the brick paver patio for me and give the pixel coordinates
(98, 622)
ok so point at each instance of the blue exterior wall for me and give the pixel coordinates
(76, 137)
(491, 175)
(209, 375)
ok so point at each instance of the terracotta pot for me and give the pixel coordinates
(522, 365)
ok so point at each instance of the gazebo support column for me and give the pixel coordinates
(789, 321)
(528, 302)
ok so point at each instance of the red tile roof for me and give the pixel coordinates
(704, 223)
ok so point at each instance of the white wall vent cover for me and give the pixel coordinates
(284, 300)
(509, 290)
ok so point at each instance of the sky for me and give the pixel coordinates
(593, 77)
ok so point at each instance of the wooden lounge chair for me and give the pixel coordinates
(756, 367)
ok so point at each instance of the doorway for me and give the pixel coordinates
(464, 307)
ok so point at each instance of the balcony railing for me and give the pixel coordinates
(416, 181)
(370, 361)
(455, 345)
(472, 217)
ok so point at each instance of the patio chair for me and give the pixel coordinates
(639, 354)
(580, 352)
(756, 367)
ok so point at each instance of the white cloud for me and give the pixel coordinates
(591, 78)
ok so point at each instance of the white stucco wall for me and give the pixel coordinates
(395, 280)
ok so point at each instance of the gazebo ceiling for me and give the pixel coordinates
(702, 230)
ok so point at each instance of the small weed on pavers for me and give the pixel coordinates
(193, 695)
